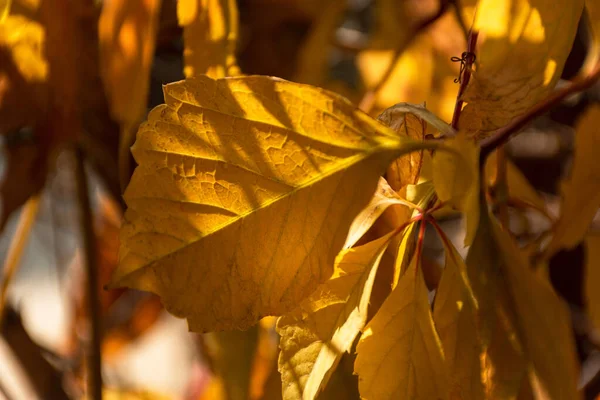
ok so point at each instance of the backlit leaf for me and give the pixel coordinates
(581, 194)
(454, 316)
(383, 198)
(399, 355)
(521, 51)
(244, 194)
(456, 180)
(316, 335)
(210, 31)
(543, 323)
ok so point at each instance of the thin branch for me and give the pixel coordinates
(502, 135)
(368, 100)
(94, 387)
(466, 76)
(17, 246)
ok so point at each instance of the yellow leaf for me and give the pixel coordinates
(581, 194)
(126, 31)
(4, 9)
(456, 180)
(543, 322)
(244, 193)
(521, 51)
(210, 31)
(592, 8)
(454, 317)
(316, 335)
(592, 278)
(399, 355)
(518, 186)
(383, 198)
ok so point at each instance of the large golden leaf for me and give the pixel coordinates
(210, 30)
(316, 335)
(454, 316)
(581, 194)
(543, 322)
(244, 194)
(399, 355)
(522, 48)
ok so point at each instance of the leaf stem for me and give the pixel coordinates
(94, 387)
(502, 135)
(17, 246)
(368, 101)
(471, 45)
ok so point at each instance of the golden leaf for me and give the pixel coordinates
(383, 198)
(592, 8)
(456, 180)
(518, 185)
(454, 317)
(399, 355)
(316, 335)
(581, 193)
(244, 194)
(521, 51)
(543, 322)
(127, 30)
(210, 31)
(592, 277)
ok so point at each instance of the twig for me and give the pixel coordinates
(466, 77)
(17, 246)
(94, 386)
(501, 135)
(368, 100)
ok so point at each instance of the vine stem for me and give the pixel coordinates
(502, 135)
(17, 246)
(94, 385)
(368, 101)
(465, 78)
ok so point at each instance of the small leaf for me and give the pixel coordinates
(392, 116)
(581, 194)
(456, 180)
(244, 194)
(521, 52)
(543, 323)
(454, 317)
(210, 31)
(316, 335)
(383, 198)
(399, 355)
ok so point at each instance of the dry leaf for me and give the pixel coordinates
(454, 317)
(581, 193)
(316, 335)
(220, 159)
(210, 32)
(399, 355)
(521, 51)
(543, 322)
(456, 180)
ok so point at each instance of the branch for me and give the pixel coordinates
(502, 135)
(94, 387)
(366, 103)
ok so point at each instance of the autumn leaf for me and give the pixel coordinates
(592, 8)
(521, 52)
(316, 335)
(581, 193)
(400, 355)
(543, 322)
(454, 317)
(383, 198)
(220, 159)
(456, 180)
(210, 31)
